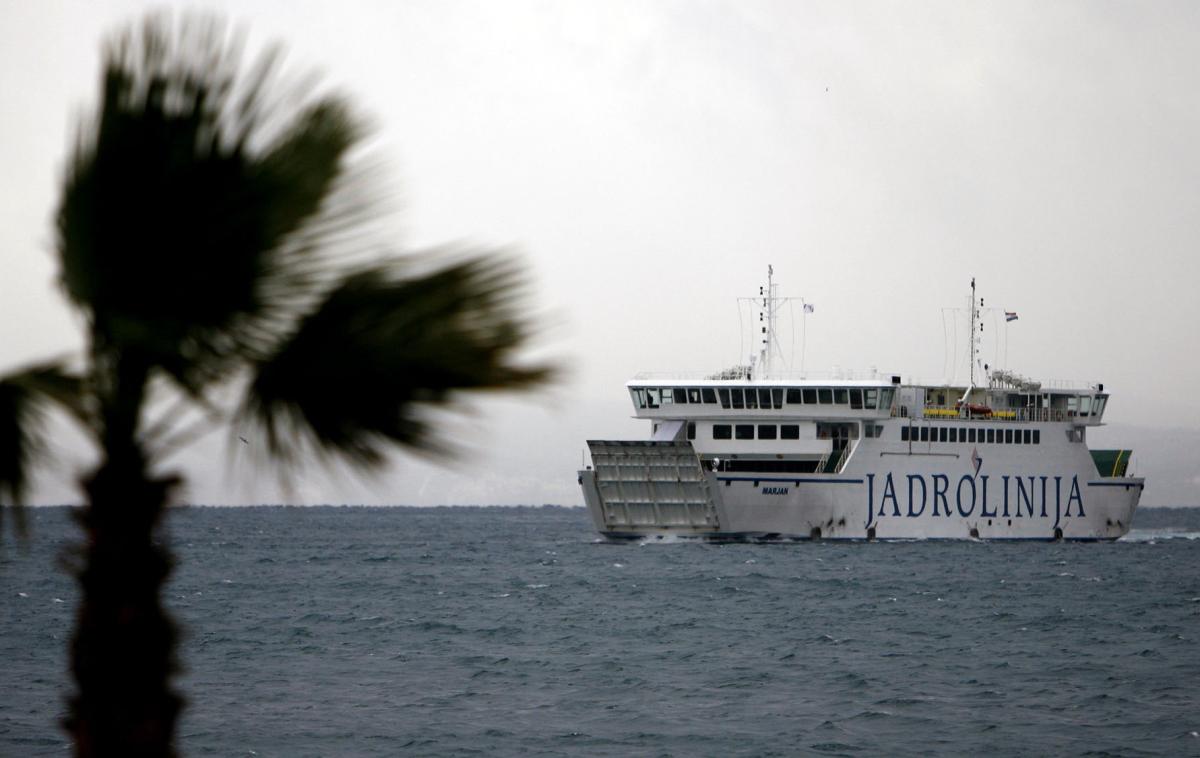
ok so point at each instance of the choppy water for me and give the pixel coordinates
(347, 631)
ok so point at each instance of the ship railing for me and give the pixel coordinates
(744, 373)
(841, 463)
(1071, 384)
(1002, 414)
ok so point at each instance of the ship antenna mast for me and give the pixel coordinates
(768, 304)
(768, 331)
(975, 319)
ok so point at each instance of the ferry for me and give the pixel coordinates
(753, 454)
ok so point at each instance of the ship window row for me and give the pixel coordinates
(971, 435)
(765, 398)
(748, 431)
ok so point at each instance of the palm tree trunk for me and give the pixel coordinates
(123, 649)
(122, 654)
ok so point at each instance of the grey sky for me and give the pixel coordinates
(650, 159)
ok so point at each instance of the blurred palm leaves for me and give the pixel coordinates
(207, 233)
(181, 201)
(24, 397)
(352, 375)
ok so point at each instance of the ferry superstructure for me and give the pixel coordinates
(750, 454)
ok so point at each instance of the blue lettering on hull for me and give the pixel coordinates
(970, 492)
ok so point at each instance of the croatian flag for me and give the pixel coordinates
(1010, 316)
(808, 308)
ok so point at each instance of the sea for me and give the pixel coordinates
(459, 631)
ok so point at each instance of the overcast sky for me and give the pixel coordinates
(650, 159)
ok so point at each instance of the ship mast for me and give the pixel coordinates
(974, 337)
(766, 318)
(975, 327)
(768, 304)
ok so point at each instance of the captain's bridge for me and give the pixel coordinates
(867, 399)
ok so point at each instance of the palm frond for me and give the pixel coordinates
(24, 397)
(353, 377)
(181, 196)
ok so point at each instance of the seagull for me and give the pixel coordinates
(244, 440)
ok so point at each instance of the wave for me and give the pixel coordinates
(1157, 535)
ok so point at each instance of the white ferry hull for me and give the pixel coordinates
(883, 493)
(749, 453)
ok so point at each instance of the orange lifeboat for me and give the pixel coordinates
(974, 410)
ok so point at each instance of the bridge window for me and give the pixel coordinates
(825, 396)
(665, 396)
(810, 396)
(693, 395)
(885, 398)
(751, 399)
(680, 395)
(652, 397)
(870, 398)
(777, 396)
(764, 399)
(735, 395)
(766, 431)
(840, 396)
(639, 397)
(793, 396)
(691, 430)
(789, 431)
(856, 399)
(708, 395)
(1085, 405)
(744, 431)
(723, 393)
(722, 431)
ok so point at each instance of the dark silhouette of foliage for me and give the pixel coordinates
(207, 233)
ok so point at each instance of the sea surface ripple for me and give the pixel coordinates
(514, 631)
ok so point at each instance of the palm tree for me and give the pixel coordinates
(206, 233)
